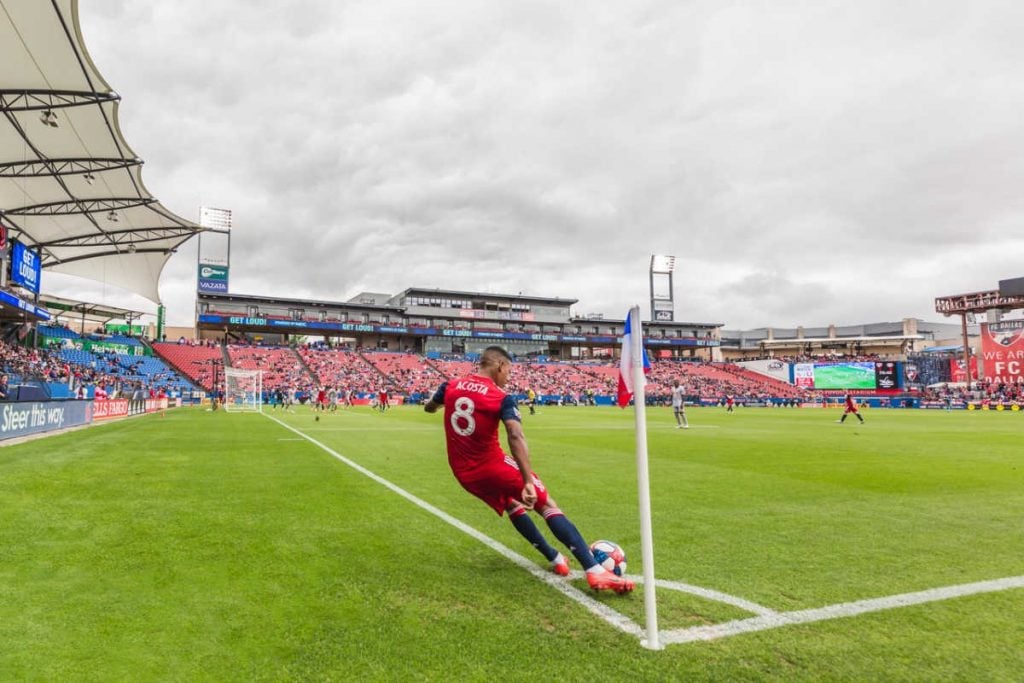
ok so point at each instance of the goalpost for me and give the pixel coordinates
(243, 390)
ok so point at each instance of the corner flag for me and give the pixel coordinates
(626, 387)
(632, 369)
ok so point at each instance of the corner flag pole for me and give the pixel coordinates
(643, 479)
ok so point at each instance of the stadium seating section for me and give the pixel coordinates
(181, 367)
(197, 363)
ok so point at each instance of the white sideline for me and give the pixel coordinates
(837, 611)
(619, 621)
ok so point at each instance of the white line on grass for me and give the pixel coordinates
(837, 611)
(619, 621)
(710, 594)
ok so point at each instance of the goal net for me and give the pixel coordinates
(243, 390)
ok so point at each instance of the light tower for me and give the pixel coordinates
(663, 307)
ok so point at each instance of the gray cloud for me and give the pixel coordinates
(807, 162)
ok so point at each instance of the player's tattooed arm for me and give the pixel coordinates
(437, 400)
(521, 454)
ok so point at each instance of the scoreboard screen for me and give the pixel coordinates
(835, 375)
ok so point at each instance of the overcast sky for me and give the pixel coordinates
(806, 162)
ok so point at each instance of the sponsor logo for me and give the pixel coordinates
(213, 272)
(775, 365)
(106, 409)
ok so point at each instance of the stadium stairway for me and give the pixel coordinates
(308, 370)
(388, 381)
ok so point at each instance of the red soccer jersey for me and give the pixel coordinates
(474, 406)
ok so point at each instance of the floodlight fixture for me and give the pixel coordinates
(49, 118)
(112, 217)
(662, 263)
(662, 288)
(132, 248)
(89, 178)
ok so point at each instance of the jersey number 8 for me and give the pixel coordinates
(463, 414)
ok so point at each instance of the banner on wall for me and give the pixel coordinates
(957, 372)
(1002, 350)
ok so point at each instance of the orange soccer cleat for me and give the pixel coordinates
(560, 565)
(601, 581)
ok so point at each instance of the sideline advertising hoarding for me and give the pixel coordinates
(32, 417)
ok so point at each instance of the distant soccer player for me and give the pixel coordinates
(473, 408)
(679, 405)
(730, 404)
(851, 407)
(321, 400)
(531, 401)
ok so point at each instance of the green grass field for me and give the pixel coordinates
(221, 546)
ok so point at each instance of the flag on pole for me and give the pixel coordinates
(626, 387)
(635, 367)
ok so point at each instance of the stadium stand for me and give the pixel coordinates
(408, 373)
(281, 366)
(342, 369)
(197, 363)
(452, 367)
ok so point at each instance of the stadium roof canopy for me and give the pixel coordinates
(70, 186)
(65, 310)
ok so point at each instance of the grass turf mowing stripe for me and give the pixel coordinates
(599, 609)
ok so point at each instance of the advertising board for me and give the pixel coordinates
(32, 417)
(26, 267)
(213, 278)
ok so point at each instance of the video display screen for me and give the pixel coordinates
(844, 375)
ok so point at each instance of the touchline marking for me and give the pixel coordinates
(837, 611)
(619, 621)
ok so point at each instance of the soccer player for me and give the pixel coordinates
(730, 403)
(473, 408)
(320, 404)
(531, 400)
(678, 405)
(851, 407)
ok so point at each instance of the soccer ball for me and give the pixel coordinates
(610, 556)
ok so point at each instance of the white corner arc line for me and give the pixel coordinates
(837, 611)
(619, 621)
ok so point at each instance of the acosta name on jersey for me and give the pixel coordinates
(476, 387)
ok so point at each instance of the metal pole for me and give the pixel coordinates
(967, 350)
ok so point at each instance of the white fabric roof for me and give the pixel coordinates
(74, 191)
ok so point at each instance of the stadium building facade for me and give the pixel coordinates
(885, 339)
(436, 321)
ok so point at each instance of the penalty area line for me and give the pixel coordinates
(837, 611)
(615, 619)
